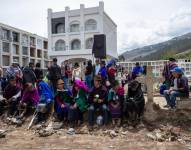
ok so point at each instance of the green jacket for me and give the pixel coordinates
(81, 100)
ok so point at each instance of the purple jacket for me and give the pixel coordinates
(31, 95)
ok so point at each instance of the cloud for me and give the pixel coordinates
(146, 32)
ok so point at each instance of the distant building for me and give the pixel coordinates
(71, 32)
(158, 66)
(22, 47)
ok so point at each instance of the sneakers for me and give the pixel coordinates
(71, 131)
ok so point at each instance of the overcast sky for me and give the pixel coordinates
(140, 22)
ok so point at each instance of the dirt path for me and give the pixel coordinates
(132, 138)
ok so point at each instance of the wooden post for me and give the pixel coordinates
(149, 83)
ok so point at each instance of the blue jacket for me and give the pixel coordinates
(137, 70)
(103, 72)
(45, 92)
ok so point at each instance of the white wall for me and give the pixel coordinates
(110, 30)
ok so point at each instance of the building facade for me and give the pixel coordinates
(71, 32)
(158, 66)
(22, 47)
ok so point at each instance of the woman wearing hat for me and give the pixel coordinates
(79, 105)
(179, 88)
(63, 100)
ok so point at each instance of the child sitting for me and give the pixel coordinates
(115, 100)
(63, 100)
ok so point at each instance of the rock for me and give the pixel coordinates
(45, 133)
(57, 125)
(71, 131)
(124, 133)
(2, 133)
(159, 137)
(113, 133)
(84, 130)
(151, 136)
(16, 121)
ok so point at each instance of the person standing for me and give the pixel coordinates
(29, 75)
(38, 71)
(103, 73)
(54, 74)
(15, 70)
(89, 74)
(167, 72)
(76, 73)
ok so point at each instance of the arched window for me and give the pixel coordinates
(75, 45)
(60, 45)
(60, 28)
(75, 26)
(89, 43)
(90, 25)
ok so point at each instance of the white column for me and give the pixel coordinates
(20, 51)
(49, 30)
(43, 59)
(101, 13)
(82, 35)
(67, 28)
(11, 48)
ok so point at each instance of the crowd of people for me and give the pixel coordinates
(66, 94)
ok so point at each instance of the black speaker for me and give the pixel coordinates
(99, 46)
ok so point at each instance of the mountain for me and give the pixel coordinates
(178, 47)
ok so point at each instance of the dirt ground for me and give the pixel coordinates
(126, 137)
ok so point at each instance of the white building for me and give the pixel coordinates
(71, 32)
(22, 47)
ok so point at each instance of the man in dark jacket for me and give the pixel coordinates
(180, 88)
(54, 73)
(97, 99)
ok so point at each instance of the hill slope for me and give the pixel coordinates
(162, 50)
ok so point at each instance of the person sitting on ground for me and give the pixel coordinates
(115, 100)
(29, 99)
(12, 94)
(79, 105)
(179, 88)
(97, 100)
(46, 98)
(63, 100)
